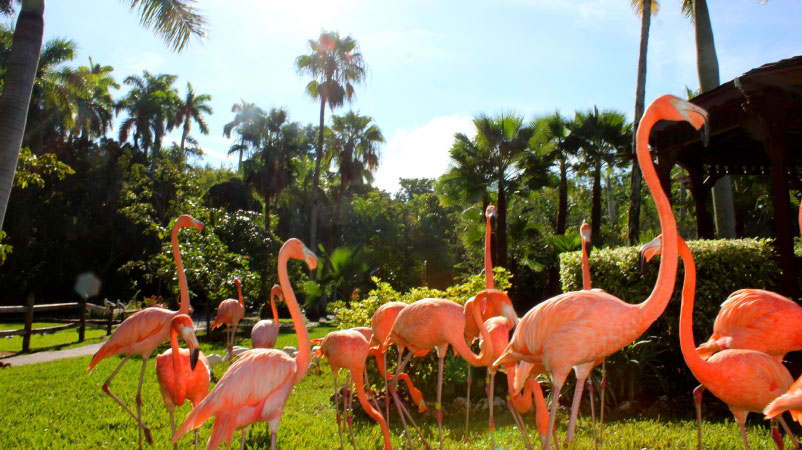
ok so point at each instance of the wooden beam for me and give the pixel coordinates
(55, 306)
(20, 332)
(12, 309)
(54, 328)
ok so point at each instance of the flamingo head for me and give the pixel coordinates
(183, 324)
(496, 301)
(276, 293)
(185, 221)
(649, 251)
(297, 250)
(490, 214)
(677, 109)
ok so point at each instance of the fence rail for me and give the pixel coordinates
(29, 308)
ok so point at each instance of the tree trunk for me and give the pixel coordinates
(267, 214)
(316, 182)
(562, 202)
(337, 216)
(184, 136)
(707, 67)
(18, 84)
(501, 230)
(612, 210)
(633, 224)
(595, 209)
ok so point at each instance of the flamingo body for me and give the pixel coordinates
(790, 401)
(429, 323)
(264, 334)
(757, 320)
(186, 384)
(229, 312)
(139, 334)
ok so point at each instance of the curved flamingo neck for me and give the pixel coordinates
(304, 356)
(179, 382)
(273, 307)
(363, 400)
(585, 267)
(239, 291)
(183, 287)
(485, 356)
(655, 304)
(696, 364)
(489, 283)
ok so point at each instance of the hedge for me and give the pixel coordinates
(723, 266)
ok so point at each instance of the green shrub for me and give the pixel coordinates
(722, 267)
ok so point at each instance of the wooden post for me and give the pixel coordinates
(111, 320)
(82, 326)
(26, 339)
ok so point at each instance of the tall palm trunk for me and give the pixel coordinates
(316, 180)
(184, 135)
(337, 216)
(18, 84)
(267, 213)
(562, 198)
(633, 224)
(595, 209)
(501, 230)
(707, 67)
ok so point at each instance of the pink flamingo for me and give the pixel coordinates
(265, 333)
(577, 329)
(791, 401)
(183, 376)
(584, 233)
(349, 349)
(230, 312)
(255, 388)
(520, 377)
(436, 323)
(142, 332)
(753, 319)
(746, 380)
(381, 323)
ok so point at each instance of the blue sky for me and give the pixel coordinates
(432, 65)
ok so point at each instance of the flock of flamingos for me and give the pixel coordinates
(741, 363)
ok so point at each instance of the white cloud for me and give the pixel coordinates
(421, 152)
(150, 61)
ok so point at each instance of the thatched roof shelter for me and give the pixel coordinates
(755, 129)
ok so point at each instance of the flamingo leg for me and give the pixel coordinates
(580, 387)
(148, 438)
(242, 439)
(337, 406)
(273, 440)
(776, 436)
(592, 413)
(697, 401)
(555, 399)
(107, 390)
(402, 410)
(468, 405)
(196, 439)
(743, 434)
(398, 405)
(172, 427)
(349, 410)
(521, 426)
(788, 432)
(386, 391)
(490, 401)
(439, 406)
(603, 386)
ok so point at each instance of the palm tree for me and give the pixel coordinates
(550, 142)
(270, 170)
(354, 145)
(646, 9)
(152, 106)
(248, 120)
(600, 137)
(94, 104)
(174, 20)
(335, 65)
(707, 68)
(192, 108)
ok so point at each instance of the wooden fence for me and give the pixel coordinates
(29, 308)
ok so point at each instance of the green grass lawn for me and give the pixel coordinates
(54, 341)
(57, 405)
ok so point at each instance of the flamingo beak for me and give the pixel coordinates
(198, 225)
(192, 342)
(697, 117)
(648, 251)
(492, 216)
(509, 312)
(310, 258)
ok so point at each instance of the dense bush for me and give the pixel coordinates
(653, 365)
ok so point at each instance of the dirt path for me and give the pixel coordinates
(40, 357)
